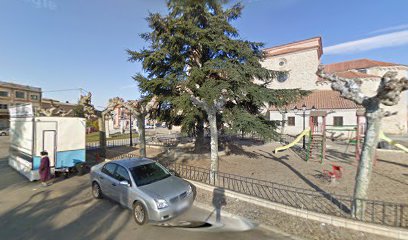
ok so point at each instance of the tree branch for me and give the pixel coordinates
(390, 88)
(348, 88)
(222, 100)
(196, 100)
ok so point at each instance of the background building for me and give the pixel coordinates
(65, 106)
(12, 94)
(299, 62)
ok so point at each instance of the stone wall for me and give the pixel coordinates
(301, 67)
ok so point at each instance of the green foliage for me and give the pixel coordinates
(196, 47)
(78, 111)
(93, 123)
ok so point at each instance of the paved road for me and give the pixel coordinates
(66, 210)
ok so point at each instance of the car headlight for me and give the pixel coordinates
(161, 203)
(189, 190)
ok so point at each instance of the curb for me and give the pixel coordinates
(335, 221)
(263, 226)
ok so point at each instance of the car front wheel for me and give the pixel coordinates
(139, 213)
(96, 191)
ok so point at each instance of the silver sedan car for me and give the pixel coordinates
(144, 186)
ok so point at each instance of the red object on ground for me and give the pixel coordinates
(336, 172)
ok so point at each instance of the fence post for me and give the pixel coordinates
(383, 213)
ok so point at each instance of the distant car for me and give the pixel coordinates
(144, 186)
(5, 132)
(149, 126)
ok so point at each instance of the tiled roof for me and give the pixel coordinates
(311, 43)
(356, 64)
(287, 50)
(352, 74)
(323, 99)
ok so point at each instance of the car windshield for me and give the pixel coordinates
(148, 173)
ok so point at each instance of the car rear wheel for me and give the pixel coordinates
(2, 134)
(139, 213)
(96, 191)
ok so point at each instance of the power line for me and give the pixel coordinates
(81, 90)
(66, 90)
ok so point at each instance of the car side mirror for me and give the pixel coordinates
(124, 183)
(172, 172)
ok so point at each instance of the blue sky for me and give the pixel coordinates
(71, 44)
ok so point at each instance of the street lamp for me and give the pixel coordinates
(304, 121)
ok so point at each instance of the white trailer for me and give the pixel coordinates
(62, 137)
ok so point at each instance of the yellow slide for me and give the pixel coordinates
(298, 138)
(392, 142)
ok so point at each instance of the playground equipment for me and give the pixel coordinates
(317, 137)
(336, 172)
(317, 133)
(316, 146)
(305, 132)
(383, 137)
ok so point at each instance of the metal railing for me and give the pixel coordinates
(379, 212)
(319, 201)
(166, 140)
(111, 143)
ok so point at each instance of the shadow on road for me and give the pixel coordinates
(62, 214)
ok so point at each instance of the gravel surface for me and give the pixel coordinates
(389, 181)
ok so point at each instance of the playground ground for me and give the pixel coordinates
(249, 158)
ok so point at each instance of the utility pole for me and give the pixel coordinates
(130, 126)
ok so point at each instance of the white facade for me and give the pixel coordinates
(349, 118)
(301, 59)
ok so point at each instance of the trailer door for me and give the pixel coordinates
(50, 145)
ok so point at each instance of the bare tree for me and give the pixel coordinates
(141, 110)
(137, 108)
(91, 113)
(388, 94)
(54, 111)
(211, 109)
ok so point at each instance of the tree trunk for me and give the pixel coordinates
(199, 141)
(107, 130)
(282, 132)
(142, 135)
(212, 119)
(102, 136)
(373, 119)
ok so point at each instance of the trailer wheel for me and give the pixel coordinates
(96, 190)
